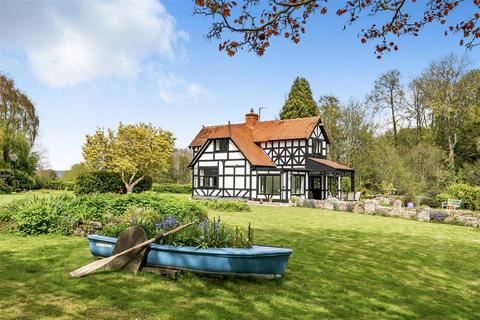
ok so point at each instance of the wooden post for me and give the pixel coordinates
(339, 186)
(352, 181)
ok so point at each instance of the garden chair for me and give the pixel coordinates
(452, 204)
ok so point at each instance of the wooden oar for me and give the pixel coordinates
(89, 268)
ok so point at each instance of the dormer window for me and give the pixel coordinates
(221, 145)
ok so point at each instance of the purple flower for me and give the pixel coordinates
(169, 222)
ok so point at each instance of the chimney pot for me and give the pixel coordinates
(251, 119)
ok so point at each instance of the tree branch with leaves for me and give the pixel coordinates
(253, 24)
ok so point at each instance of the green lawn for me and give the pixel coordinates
(343, 266)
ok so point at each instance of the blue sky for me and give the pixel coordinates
(89, 64)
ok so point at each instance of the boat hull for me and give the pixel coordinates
(258, 261)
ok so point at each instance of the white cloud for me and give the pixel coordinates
(172, 88)
(69, 42)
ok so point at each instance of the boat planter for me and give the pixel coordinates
(258, 261)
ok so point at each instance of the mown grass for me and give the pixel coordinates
(343, 266)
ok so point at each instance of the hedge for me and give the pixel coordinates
(172, 188)
(106, 182)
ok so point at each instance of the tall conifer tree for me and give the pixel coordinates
(300, 102)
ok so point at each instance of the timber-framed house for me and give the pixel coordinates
(266, 160)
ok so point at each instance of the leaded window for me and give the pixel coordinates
(208, 177)
(221, 145)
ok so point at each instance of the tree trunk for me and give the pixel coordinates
(394, 119)
(129, 185)
(451, 150)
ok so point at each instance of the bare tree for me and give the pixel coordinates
(445, 97)
(388, 93)
(415, 109)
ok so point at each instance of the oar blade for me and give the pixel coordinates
(91, 267)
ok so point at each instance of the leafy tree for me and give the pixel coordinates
(16, 152)
(428, 165)
(466, 149)
(331, 113)
(17, 112)
(179, 172)
(47, 174)
(471, 173)
(74, 172)
(388, 94)
(253, 24)
(134, 151)
(300, 102)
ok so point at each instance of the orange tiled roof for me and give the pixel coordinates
(246, 138)
(331, 164)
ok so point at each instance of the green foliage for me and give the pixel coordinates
(134, 151)
(99, 182)
(106, 182)
(36, 215)
(46, 174)
(470, 195)
(63, 214)
(226, 205)
(55, 185)
(11, 180)
(16, 151)
(203, 234)
(300, 102)
(24, 181)
(172, 188)
(470, 173)
(18, 112)
(74, 172)
(144, 185)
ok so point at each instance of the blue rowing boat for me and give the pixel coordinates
(258, 261)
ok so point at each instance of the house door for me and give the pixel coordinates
(316, 187)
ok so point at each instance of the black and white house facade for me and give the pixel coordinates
(268, 160)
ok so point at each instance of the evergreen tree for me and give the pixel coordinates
(300, 103)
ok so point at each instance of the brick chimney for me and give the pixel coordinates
(251, 119)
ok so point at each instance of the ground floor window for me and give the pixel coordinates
(208, 177)
(298, 184)
(269, 184)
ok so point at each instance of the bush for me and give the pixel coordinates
(226, 205)
(62, 214)
(54, 184)
(99, 182)
(11, 180)
(106, 182)
(172, 188)
(469, 195)
(35, 215)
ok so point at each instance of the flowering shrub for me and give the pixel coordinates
(204, 234)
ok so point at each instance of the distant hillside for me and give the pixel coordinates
(60, 173)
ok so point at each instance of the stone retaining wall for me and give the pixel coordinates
(384, 207)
